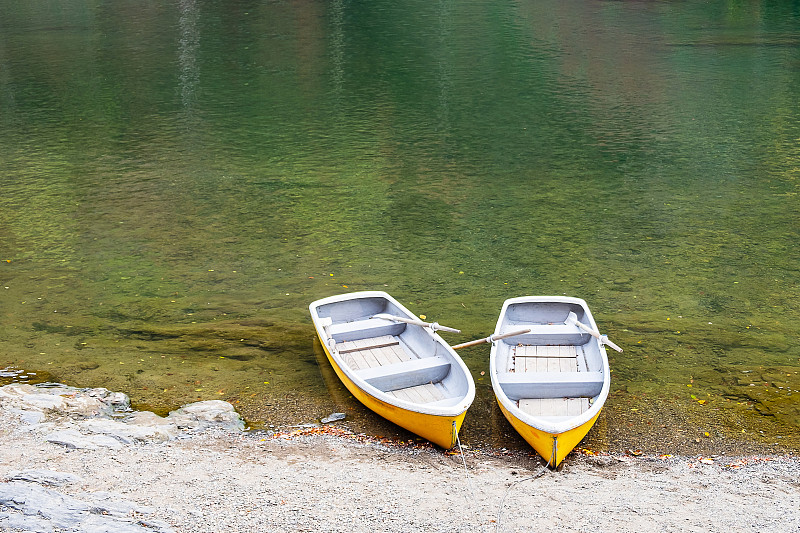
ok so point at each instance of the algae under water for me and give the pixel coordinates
(181, 180)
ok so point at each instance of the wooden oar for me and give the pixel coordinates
(435, 326)
(572, 318)
(491, 338)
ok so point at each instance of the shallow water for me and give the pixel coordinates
(180, 180)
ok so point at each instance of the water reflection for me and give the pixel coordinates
(188, 45)
(337, 44)
(640, 155)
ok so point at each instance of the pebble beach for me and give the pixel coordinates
(81, 460)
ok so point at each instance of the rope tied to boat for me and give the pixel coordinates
(539, 473)
(464, 460)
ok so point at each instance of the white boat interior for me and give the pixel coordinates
(404, 361)
(553, 372)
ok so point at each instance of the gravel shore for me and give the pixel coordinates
(218, 478)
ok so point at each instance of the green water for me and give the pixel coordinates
(180, 179)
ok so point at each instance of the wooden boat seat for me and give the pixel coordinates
(551, 384)
(406, 374)
(364, 329)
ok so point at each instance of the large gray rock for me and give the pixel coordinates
(129, 433)
(44, 477)
(73, 439)
(33, 404)
(35, 508)
(97, 419)
(21, 522)
(201, 415)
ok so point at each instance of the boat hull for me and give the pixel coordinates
(557, 370)
(545, 443)
(440, 430)
(404, 372)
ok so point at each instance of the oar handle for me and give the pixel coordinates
(509, 334)
(595, 334)
(609, 343)
(435, 326)
(587, 329)
(470, 343)
(491, 338)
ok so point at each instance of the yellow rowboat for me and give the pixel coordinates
(395, 364)
(551, 376)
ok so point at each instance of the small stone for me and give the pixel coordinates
(333, 417)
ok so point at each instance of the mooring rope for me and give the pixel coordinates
(464, 460)
(542, 470)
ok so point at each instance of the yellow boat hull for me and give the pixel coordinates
(440, 430)
(553, 447)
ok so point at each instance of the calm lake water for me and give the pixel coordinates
(180, 179)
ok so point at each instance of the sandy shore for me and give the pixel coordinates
(325, 479)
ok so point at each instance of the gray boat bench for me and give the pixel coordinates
(364, 329)
(551, 384)
(547, 334)
(387, 365)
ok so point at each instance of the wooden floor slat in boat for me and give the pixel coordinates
(545, 359)
(554, 406)
(420, 394)
(372, 352)
(383, 351)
